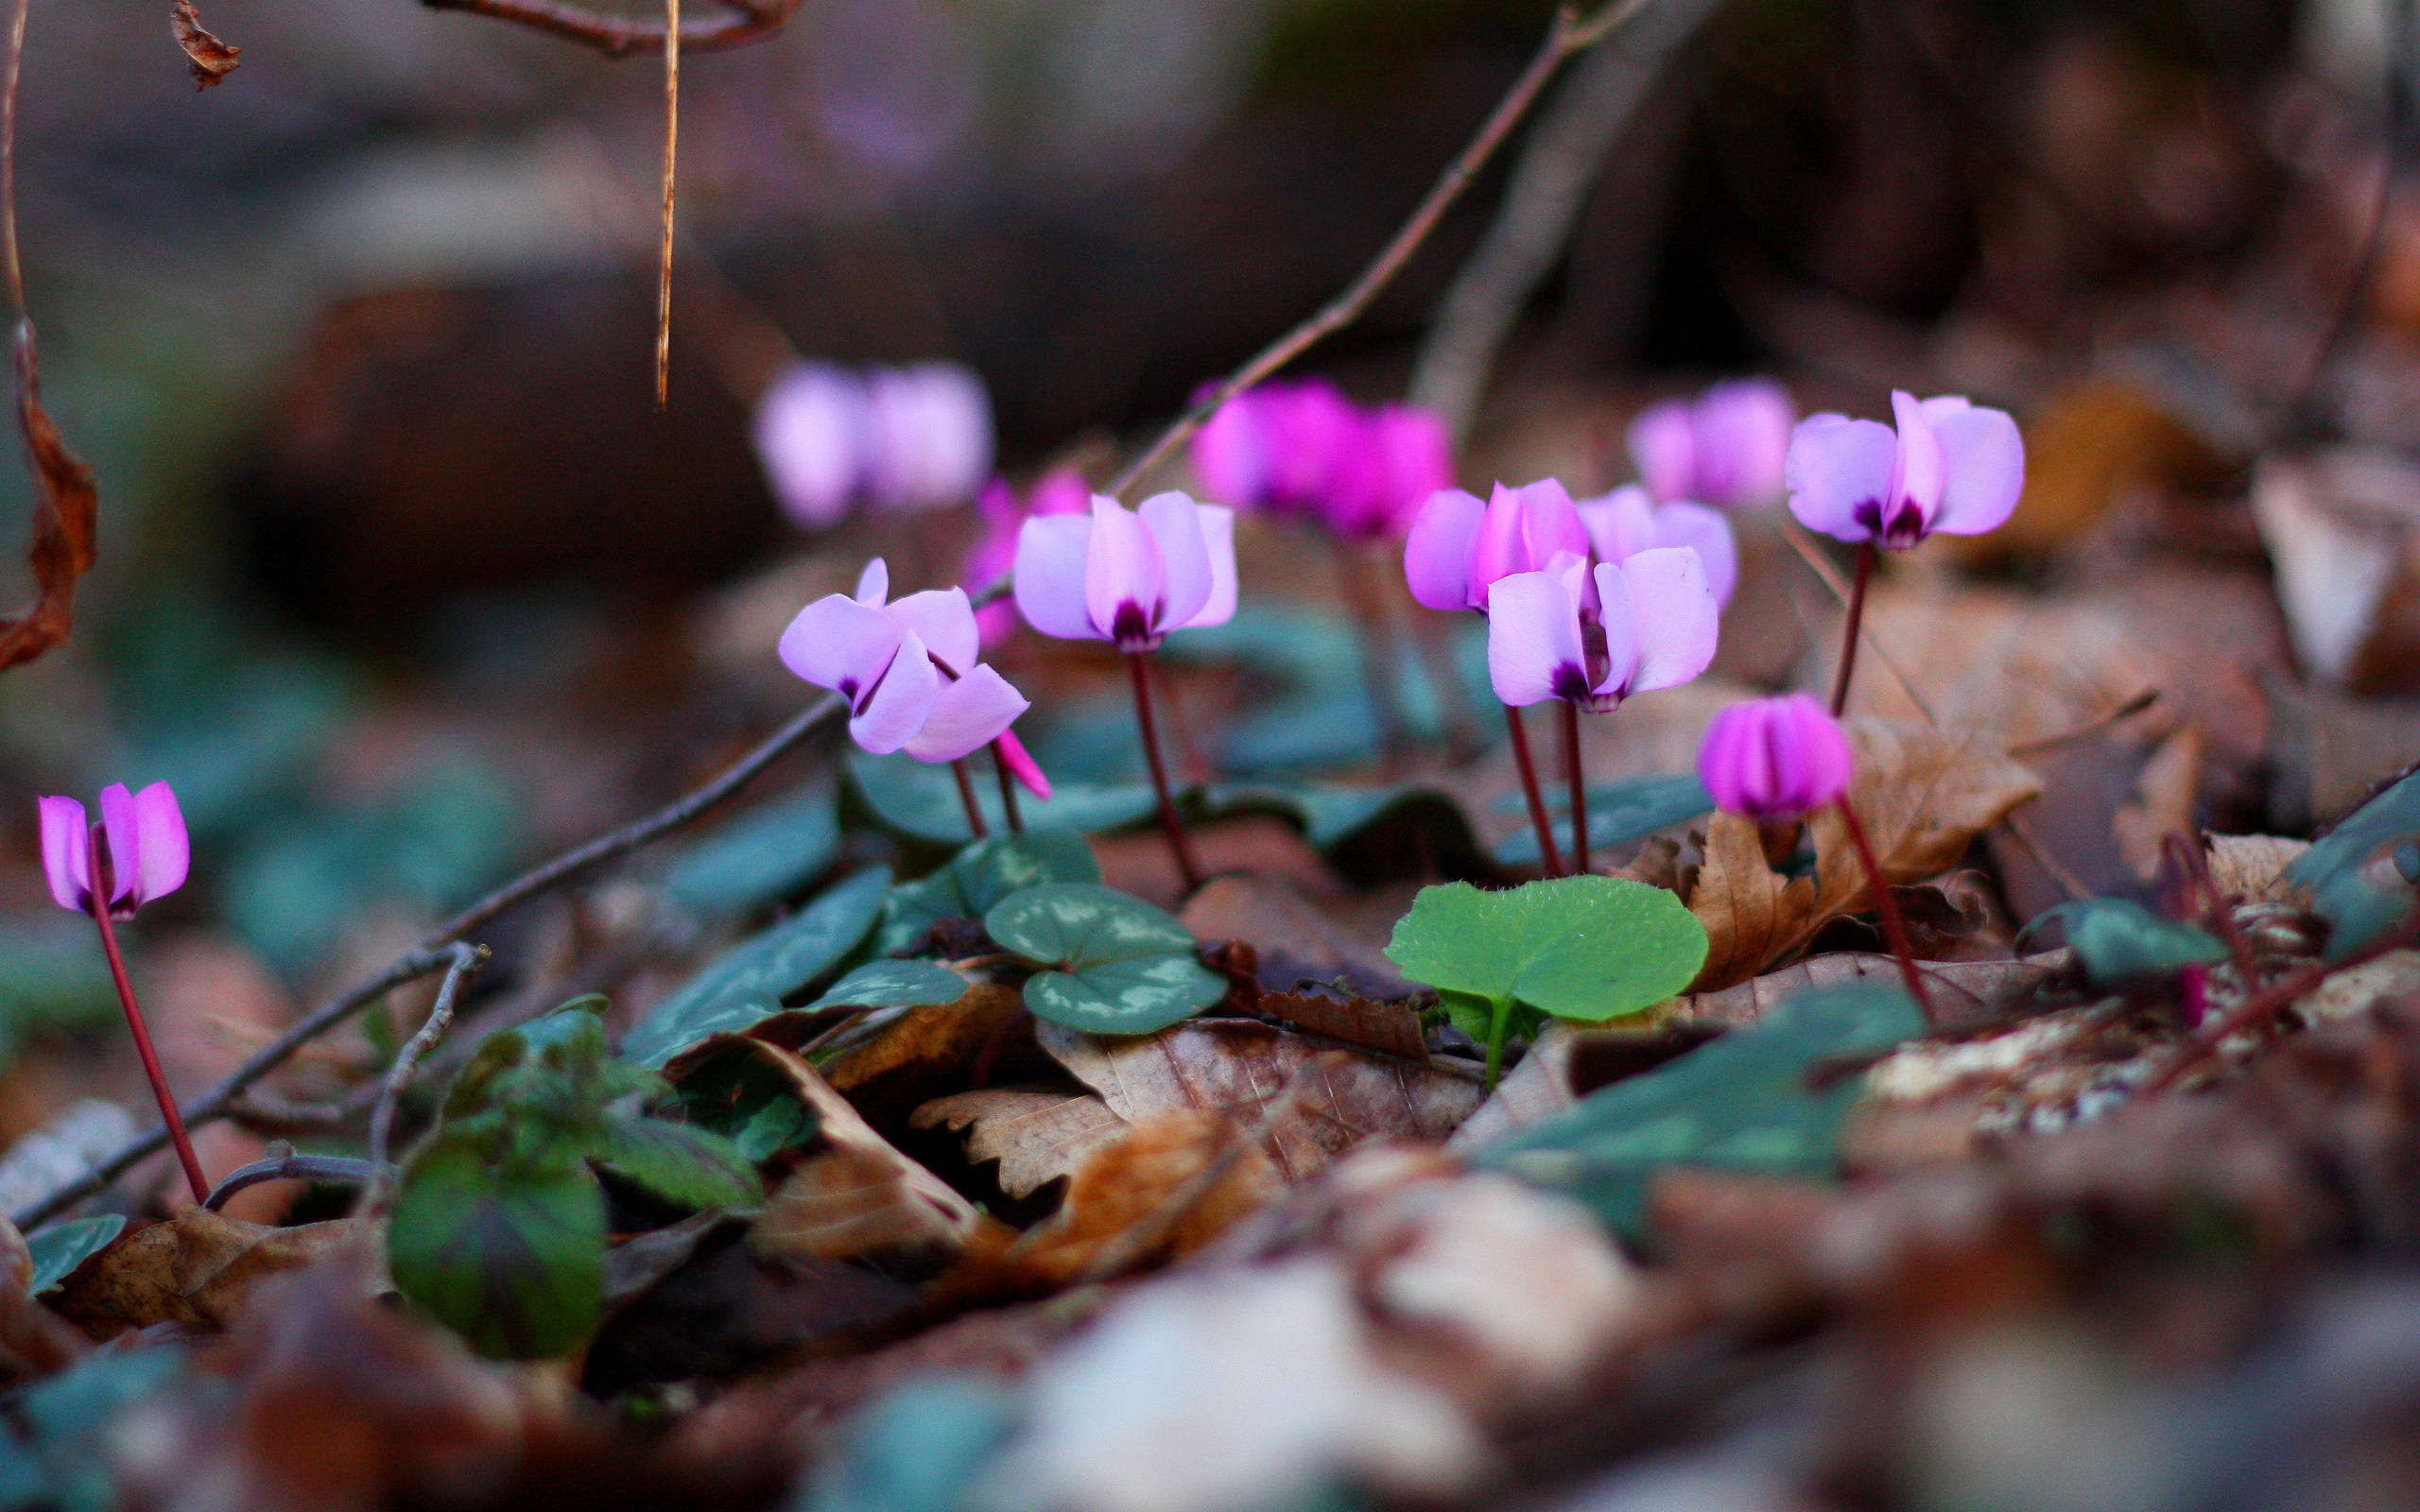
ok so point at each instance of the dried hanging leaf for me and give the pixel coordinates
(1234, 1066)
(66, 509)
(196, 1271)
(924, 1051)
(1036, 1136)
(2253, 866)
(210, 59)
(855, 1204)
(839, 1127)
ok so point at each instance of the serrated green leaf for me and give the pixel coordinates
(1116, 965)
(691, 1166)
(1740, 1103)
(893, 985)
(761, 857)
(509, 1256)
(1583, 948)
(980, 875)
(1618, 813)
(2355, 874)
(746, 985)
(59, 1249)
(921, 801)
(2117, 941)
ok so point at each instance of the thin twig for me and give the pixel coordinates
(751, 21)
(290, 1167)
(8, 159)
(671, 161)
(466, 960)
(2086, 730)
(2279, 995)
(1567, 36)
(2068, 882)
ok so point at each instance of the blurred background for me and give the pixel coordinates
(405, 581)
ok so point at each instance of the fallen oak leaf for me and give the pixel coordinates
(194, 1270)
(1389, 1026)
(840, 1126)
(210, 59)
(1752, 913)
(1037, 1137)
(852, 1203)
(66, 508)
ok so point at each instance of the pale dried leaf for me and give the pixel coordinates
(2163, 802)
(839, 1127)
(1389, 1027)
(1752, 913)
(196, 1271)
(209, 60)
(1538, 1088)
(1960, 990)
(33, 1339)
(855, 1203)
(1136, 1180)
(926, 1042)
(1036, 1136)
(2253, 866)
(1293, 938)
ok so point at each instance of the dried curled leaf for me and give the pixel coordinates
(196, 1271)
(66, 507)
(1036, 1136)
(210, 59)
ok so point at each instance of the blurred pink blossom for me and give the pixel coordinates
(1774, 758)
(1724, 448)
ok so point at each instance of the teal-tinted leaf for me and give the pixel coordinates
(694, 1167)
(1367, 832)
(1618, 813)
(894, 985)
(59, 1249)
(1740, 1103)
(2117, 941)
(56, 979)
(2353, 873)
(747, 986)
(1121, 966)
(980, 875)
(920, 1448)
(921, 801)
(761, 857)
(64, 1460)
(1584, 948)
(509, 1256)
(738, 1095)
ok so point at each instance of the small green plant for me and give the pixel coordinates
(2117, 942)
(499, 1229)
(1589, 949)
(1111, 964)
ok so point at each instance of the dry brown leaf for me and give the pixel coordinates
(2253, 866)
(2084, 448)
(853, 1204)
(1234, 1066)
(1964, 991)
(210, 59)
(1036, 1136)
(34, 1341)
(1538, 1088)
(839, 1126)
(1293, 938)
(1752, 913)
(1389, 1027)
(922, 1053)
(1134, 1180)
(66, 511)
(2338, 527)
(196, 1271)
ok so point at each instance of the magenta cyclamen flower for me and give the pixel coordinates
(1594, 638)
(809, 432)
(909, 668)
(1302, 448)
(1625, 523)
(149, 852)
(1949, 466)
(1405, 458)
(1459, 547)
(1060, 491)
(1774, 758)
(1128, 577)
(1725, 448)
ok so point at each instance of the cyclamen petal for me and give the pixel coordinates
(944, 622)
(167, 851)
(1021, 764)
(1917, 484)
(1679, 621)
(1123, 578)
(66, 854)
(1707, 532)
(929, 435)
(899, 705)
(1219, 543)
(122, 832)
(1775, 758)
(1413, 458)
(1620, 618)
(1231, 453)
(1533, 647)
(1050, 569)
(874, 584)
(1839, 471)
(810, 436)
(1982, 463)
(1741, 431)
(1621, 523)
(1663, 445)
(1437, 552)
(966, 715)
(839, 644)
(1523, 530)
(1185, 580)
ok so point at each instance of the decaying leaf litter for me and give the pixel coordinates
(2013, 1112)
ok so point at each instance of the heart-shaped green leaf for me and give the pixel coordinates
(59, 1249)
(747, 986)
(1583, 948)
(1740, 1103)
(920, 800)
(980, 875)
(760, 857)
(893, 985)
(2117, 941)
(508, 1254)
(1115, 965)
(2359, 873)
(1618, 813)
(693, 1167)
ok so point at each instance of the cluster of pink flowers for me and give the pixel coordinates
(830, 440)
(1299, 447)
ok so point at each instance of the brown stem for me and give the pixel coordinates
(2280, 994)
(1547, 851)
(466, 959)
(1138, 664)
(1848, 635)
(1578, 779)
(672, 159)
(1188, 749)
(751, 21)
(176, 1125)
(1008, 791)
(1894, 929)
(975, 824)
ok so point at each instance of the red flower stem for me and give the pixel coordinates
(1008, 791)
(1579, 780)
(966, 795)
(168, 1113)
(1894, 929)
(1547, 850)
(1137, 664)
(1849, 633)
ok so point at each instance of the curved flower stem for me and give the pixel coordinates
(1578, 779)
(1008, 791)
(1848, 633)
(1894, 929)
(177, 1135)
(1547, 851)
(1137, 664)
(975, 824)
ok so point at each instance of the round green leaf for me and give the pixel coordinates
(1139, 996)
(1122, 966)
(1583, 948)
(509, 1256)
(980, 875)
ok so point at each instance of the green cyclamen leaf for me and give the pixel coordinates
(981, 875)
(2356, 873)
(893, 985)
(1618, 813)
(509, 1256)
(691, 1166)
(1740, 1103)
(2116, 941)
(1583, 948)
(747, 986)
(919, 799)
(1116, 965)
(63, 1246)
(760, 857)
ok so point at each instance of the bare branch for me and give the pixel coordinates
(467, 959)
(750, 20)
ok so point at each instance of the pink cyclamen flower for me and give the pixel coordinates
(1724, 448)
(1128, 577)
(908, 669)
(1282, 446)
(1949, 466)
(1459, 547)
(929, 435)
(810, 435)
(1404, 458)
(144, 833)
(1774, 758)
(1062, 491)
(1594, 638)
(1625, 523)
